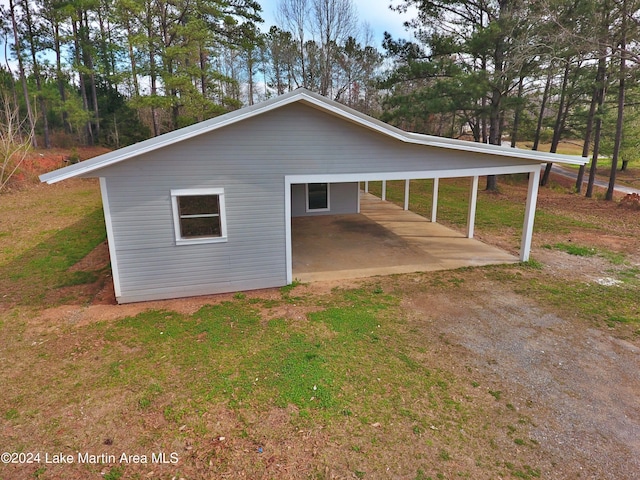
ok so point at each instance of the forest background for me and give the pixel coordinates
(528, 74)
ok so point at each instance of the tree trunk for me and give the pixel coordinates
(596, 146)
(621, 94)
(250, 68)
(81, 79)
(599, 86)
(23, 78)
(153, 73)
(59, 77)
(202, 55)
(495, 106)
(494, 132)
(518, 113)
(132, 58)
(559, 123)
(543, 106)
(36, 74)
(88, 63)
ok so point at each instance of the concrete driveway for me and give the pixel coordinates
(383, 239)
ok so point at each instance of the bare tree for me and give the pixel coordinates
(329, 24)
(333, 22)
(16, 139)
(292, 16)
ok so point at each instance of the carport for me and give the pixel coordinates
(420, 244)
(382, 239)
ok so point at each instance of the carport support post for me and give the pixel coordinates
(384, 190)
(434, 201)
(529, 215)
(406, 194)
(473, 200)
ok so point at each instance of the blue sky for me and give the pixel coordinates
(375, 12)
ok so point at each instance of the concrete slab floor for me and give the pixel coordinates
(383, 239)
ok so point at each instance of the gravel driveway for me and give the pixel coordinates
(579, 386)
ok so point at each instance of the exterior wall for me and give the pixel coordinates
(343, 198)
(249, 160)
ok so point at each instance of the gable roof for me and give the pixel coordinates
(311, 99)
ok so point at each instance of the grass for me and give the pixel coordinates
(577, 250)
(592, 301)
(346, 369)
(495, 213)
(615, 258)
(45, 266)
(250, 362)
(337, 380)
(564, 147)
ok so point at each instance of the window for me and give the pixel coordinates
(199, 216)
(317, 197)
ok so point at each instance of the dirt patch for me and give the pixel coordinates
(96, 260)
(576, 386)
(42, 161)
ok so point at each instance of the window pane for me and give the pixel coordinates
(200, 227)
(318, 196)
(198, 204)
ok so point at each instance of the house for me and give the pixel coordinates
(207, 208)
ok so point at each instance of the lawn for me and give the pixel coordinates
(355, 380)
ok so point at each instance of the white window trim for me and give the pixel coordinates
(311, 210)
(176, 215)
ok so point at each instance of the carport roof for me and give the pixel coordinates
(316, 101)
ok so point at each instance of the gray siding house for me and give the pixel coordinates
(207, 209)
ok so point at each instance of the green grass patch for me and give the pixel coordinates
(333, 363)
(495, 394)
(44, 267)
(629, 275)
(114, 473)
(615, 258)
(11, 414)
(495, 213)
(592, 301)
(69, 279)
(572, 249)
(525, 472)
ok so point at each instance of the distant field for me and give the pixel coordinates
(567, 147)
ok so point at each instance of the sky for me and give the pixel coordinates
(375, 12)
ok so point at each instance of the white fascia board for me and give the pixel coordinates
(410, 175)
